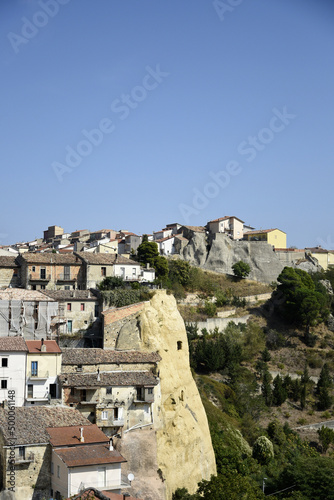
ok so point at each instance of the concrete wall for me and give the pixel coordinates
(220, 323)
(9, 277)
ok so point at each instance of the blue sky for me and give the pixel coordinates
(132, 115)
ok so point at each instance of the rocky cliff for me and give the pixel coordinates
(217, 252)
(179, 439)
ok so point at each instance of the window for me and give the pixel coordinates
(34, 368)
(69, 326)
(4, 362)
(30, 390)
(42, 287)
(179, 345)
(150, 390)
(67, 272)
(69, 307)
(134, 271)
(67, 287)
(82, 306)
(103, 271)
(3, 384)
(22, 452)
(109, 390)
(104, 415)
(58, 471)
(43, 273)
(33, 269)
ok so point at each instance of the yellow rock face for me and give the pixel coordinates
(184, 451)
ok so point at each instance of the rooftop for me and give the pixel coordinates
(105, 259)
(89, 455)
(70, 435)
(93, 356)
(226, 218)
(59, 295)
(35, 347)
(8, 261)
(13, 344)
(108, 379)
(50, 258)
(23, 294)
(31, 422)
(113, 315)
(262, 231)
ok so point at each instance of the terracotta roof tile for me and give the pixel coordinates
(94, 356)
(34, 346)
(112, 315)
(66, 436)
(31, 422)
(13, 344)
(89, 455)
(106, 379)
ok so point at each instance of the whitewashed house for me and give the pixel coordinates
(13, 359)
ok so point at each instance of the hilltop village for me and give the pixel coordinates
(98, 398)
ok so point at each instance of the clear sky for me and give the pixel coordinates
(135, 114)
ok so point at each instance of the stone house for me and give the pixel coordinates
(114, 389)
(115, 401)
(52, 232)
(83, 456)
(13, 360)
(274, 237)
(26, 312)
(78, 310)
(229, 225)
(9, 271)
(43, 370)
(25, 457)
(51, 271)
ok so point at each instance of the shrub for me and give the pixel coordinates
(263, 450)
(210, 308)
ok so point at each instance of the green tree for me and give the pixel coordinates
(326, 437)
(147, 252)
(279, 392)
(241, 269)
(263, 450)
(111, 282)
(266, 389)
(179, 271)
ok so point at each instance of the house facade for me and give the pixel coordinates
(9, 271)
(13, 361)
(43, 370)
(229, 225)
(26, 460)
(51, 271)
(83, 456)
(274, 237)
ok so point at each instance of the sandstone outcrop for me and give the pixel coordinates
(182, 454)
(218, 252)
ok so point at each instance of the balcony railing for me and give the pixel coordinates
(66, 277)
(116, 484)
(26, 458)
(38, 375)
(34, 277)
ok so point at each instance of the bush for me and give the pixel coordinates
(241, 269)
(263, 450)
(210, 308)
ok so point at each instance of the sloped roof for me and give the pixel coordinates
(50, 258)
(94, 356)
(70, 435)
(23, 294)
(105, 259)
(89, 455)
(113, 379)
(225, 218)
(17, 344)
(8, 261)
(35, 347)
(70, 295)
(263, 231)
(31, 422)
(112, 315)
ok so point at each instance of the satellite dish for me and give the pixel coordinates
(131, 477)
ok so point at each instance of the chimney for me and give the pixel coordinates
(110, 445)
(43, 346)
(82, 439)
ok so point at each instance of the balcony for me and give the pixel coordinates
(44, 277)
(66, 277)
(38, 375)
(116, 484)
(24, 459)
(41, 397)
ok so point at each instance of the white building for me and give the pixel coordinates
(13, 358)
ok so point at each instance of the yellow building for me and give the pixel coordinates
(274, 237)
(43, 368)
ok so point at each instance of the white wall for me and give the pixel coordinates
(15, 374)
